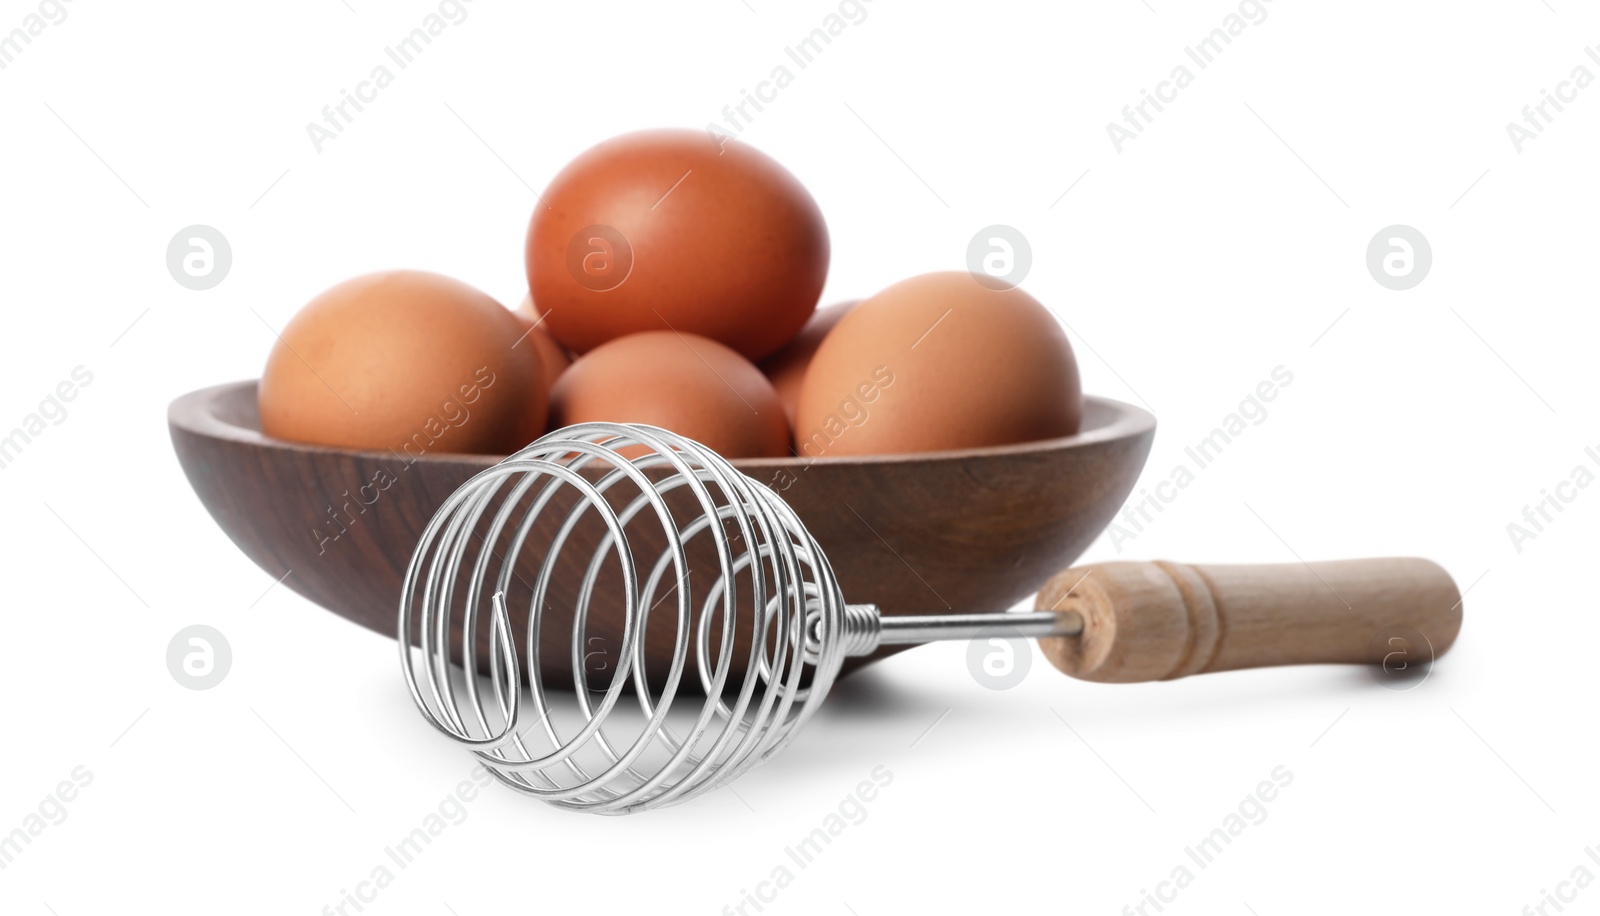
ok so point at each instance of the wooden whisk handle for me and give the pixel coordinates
(1147, 621)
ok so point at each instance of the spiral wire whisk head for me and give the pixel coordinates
(619, 521)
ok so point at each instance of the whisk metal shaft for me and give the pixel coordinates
(902, 631)
(865, 629)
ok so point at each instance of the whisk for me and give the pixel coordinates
(770, 631)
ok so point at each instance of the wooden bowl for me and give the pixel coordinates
(968, 531)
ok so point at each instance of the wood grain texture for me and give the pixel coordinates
(1153, 621)
(974, 531)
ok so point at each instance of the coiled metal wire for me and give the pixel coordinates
(768, 635)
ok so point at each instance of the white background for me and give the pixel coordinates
(1225, 241)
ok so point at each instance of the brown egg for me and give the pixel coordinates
(553, 357)
(787, 367)
(676, 230)
(939, 362)
(693, 386)
(404, 360)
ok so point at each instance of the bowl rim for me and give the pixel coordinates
(195, 413)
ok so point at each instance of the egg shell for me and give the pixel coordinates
(404, 360)
(553, 357)
(937, 362)
(690, 385)
(787, 367)
(677, 230)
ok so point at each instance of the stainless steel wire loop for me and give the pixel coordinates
(623, 751)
